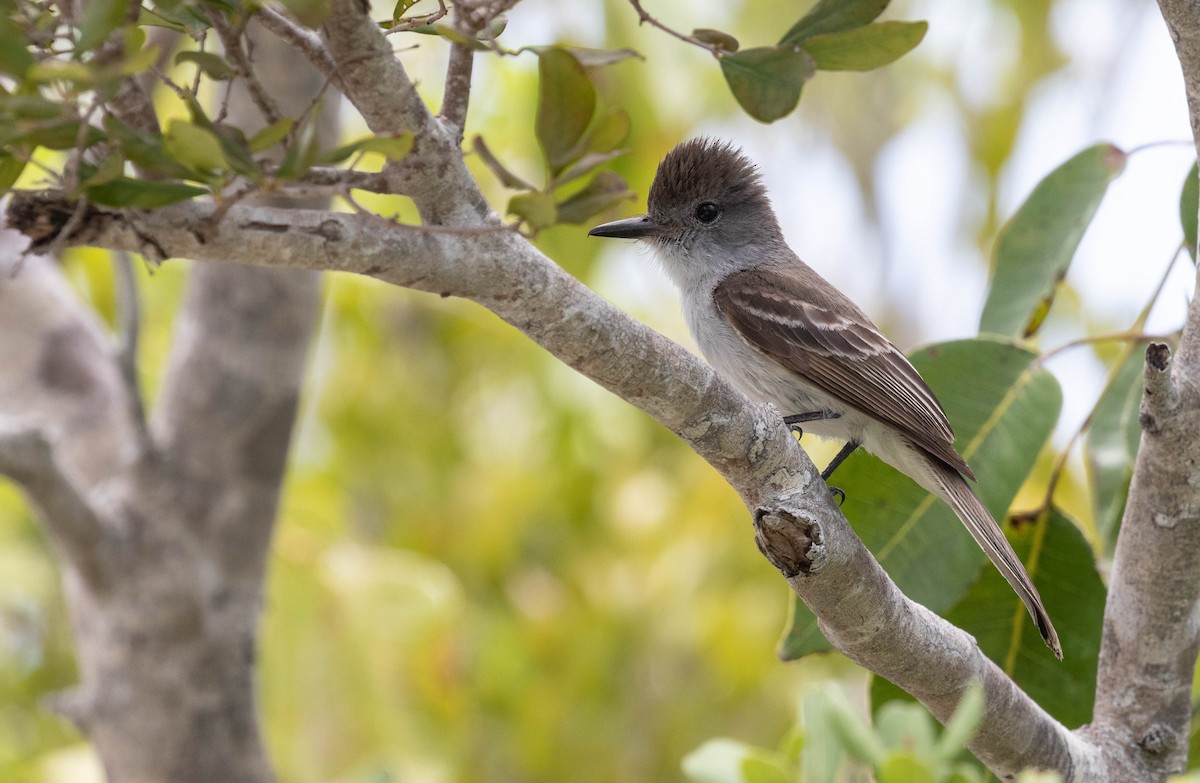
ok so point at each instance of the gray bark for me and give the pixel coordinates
(1150, 641)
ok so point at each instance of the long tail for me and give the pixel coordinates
(958, 495)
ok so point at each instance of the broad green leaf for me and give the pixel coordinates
(1035, 248)
(143, 149)
(586, 165)
(566, 103)
(717, 38)
(30, 107)
(761, 768)
(834, 16)
(391, 147)
(15, 58)
(197, 148)
(1067, 580)
(271, 135)
(588, 58)
(300, 156)
(823, 754)
(905, 767)
(1003, 407)
(534, 207)
(51, 135)
(213, 65)
(767, 81)
(606, 190)
(1111, 444)
(142, 194)
(1189, 205)
(148, 18)
(110, 168)
(236, 150)
(610, 131)
(1063, 567)
(905, 724)
(963, 724)
(852, 733)
(506, 177)
(10, 169)
(47, 71)
(865, 48)
(100, 18)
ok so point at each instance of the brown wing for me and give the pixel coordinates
(832, 345)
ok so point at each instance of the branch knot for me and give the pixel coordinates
(791, 544)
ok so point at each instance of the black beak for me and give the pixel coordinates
(630, 228)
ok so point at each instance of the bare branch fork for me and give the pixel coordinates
(798, 527)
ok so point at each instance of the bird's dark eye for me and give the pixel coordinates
(707, 212)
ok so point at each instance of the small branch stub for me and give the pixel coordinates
(1161, 396)
(788, 542)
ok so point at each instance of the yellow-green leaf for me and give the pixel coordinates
(213, 65)
(717, 38)
(197, 148)
(100, 17)
(271, 135)
(534, 207)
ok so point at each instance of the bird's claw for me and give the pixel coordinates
(837, 493)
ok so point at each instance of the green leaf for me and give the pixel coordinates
(904, 767)
(610, 131)
(195, 147)
(566, 103)
(605, 191)
(100, 18)
(963, 724)
(506, 177)
(823, 754)
(1035, 248)
(51, 135)
(48, 71)
(834, 16)
(213, 65)
(761, 768)
(1111, 445)
(1189, 206)
(391, 147)
(1003, 406)
(141, 194)
(586, 165)
(110, 168)
(536, 208)
(588, 58)
(236, 150)
(10, 169)
(300, 156)
(271, 135)
(767, 81)
(144, 149)
(721, 40)
(905, 724)
(1063, 567)
(15, 58)
(854, 736)
(865, 48)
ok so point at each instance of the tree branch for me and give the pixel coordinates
(1150, 641)
(860, 609)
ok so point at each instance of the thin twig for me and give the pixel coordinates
(129, 328)
(644, 17)
(1130, 336)
(457, 93)
(231, 40)
(412, 23)
(308, 42)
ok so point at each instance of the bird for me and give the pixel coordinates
(779, 332)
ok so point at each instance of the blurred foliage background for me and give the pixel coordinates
(485, 567)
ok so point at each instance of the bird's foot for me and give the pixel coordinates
(837, 493)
